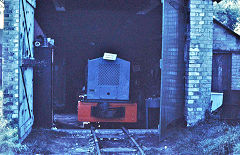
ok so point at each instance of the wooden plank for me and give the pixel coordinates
(32, 3)
(25, 135)
(110, 136)
(26, 29)
(26, 117)
(26, 39)
(118, 150)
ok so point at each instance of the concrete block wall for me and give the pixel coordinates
(199, 63)
(10, 63)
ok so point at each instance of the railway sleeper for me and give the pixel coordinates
(129, 146)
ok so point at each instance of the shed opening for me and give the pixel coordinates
(85, 30)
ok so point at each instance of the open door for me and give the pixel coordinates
(26, 117)
(26, 38)
(172, 63)
(221, 72)
(221, 83)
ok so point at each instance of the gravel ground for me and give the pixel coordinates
(151, 145)
(42, 141)
(58, 142)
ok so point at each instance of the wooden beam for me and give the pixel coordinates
(59, 5)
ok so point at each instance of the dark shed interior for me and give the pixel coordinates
(87, 29)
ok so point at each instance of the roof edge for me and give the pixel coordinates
(226, 28)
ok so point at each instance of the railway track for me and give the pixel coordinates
(115, 143)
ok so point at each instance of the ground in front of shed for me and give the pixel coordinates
(79, 142)
(212, 136)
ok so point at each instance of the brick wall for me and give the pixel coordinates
(225, 40)
(199, 62)
(236, 71)
(1, 92)
(10, 62)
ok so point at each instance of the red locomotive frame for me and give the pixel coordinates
(84, 112)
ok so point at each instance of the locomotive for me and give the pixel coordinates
(107, 92)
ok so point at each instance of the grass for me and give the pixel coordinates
(9, 139)
(209, 137)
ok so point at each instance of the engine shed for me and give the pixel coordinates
(169, 44)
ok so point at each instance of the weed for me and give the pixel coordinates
(208, 137)
(9, 139)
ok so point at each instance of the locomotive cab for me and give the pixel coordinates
(107, 92)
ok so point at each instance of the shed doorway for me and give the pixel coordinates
(87, 29)
(221, 72)
(222, 81)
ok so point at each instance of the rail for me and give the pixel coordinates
(127, 136)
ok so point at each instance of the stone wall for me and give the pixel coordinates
(199, 62)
